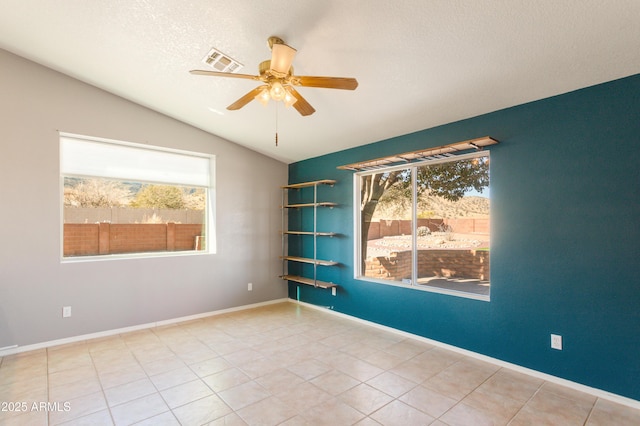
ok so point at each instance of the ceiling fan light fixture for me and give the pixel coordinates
(281, 59)
(277, 77)
(289, 99)
(277, 92)
(263, 97)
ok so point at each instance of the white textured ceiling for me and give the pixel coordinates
(420, 63)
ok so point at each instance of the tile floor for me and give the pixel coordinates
(281, 364)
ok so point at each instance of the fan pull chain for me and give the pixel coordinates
(276, 123)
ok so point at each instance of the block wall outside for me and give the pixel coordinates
(130, 215)
(470, 264)
(105, 238)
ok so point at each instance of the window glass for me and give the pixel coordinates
(125, 199)
(386, 223)
(428, 226)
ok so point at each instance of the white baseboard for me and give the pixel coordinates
(10, 350)
(534, 373)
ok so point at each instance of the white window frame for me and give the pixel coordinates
(357, 254)
(191, 166)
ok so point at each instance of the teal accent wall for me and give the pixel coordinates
(565, 251)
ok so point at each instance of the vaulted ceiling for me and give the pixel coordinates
(419, 63)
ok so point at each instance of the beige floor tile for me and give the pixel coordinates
(67, 349)
(202, 411)
(383, 360)
(173, 378)
(408, 348)
(296, 421)
(129, 391)
(186, 393)
(428, 401)
(225, 348)
(547, 408)
(283, 364)
(472, 372)
(139, 409)
(606, 413)
(359, 350)
(120, 377)
(106, 343)
(465, 415)
(114, 361)
(269, 411)
(79, 407)
(360, 370)
(29, 356)
(210, 366)
(279, 381)
(150, 354)
(499, 407)
(332, 412)
(365, 398)
(309, 369)
(414, 371)
(28, 418)
(400, 414)
(263, 366)
(229, 420)
(101, 418)
(337, 341)
(72, 375)
(568, 393)
(35, 363)
(368, 421)
(226, 379)
(437, 359)
(74, 389)
(163, 365)
(303, 396)
(512, 384)
(392, 384)
(335, 382)
(449, 384)
(164, 419)
(68, 362)
(243, 395)
(29, 389)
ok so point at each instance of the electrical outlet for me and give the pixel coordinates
(333, 291)
(556, 342)
(250, 287)
(66, 311)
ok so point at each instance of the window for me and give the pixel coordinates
(123, 199)
(426, 225)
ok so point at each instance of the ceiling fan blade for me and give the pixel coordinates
(281, 59)
(302, 106)
(224, 74)
(246, 98)
(344, 83)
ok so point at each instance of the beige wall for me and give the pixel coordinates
(36, 103)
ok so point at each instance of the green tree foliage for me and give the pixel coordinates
(160, 197)
(453, 179)
(450, 180)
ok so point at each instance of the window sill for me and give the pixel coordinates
(131, 256)
(430, 289)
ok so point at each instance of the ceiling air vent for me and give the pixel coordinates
(221, 62)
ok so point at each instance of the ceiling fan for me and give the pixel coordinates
(279, 80)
